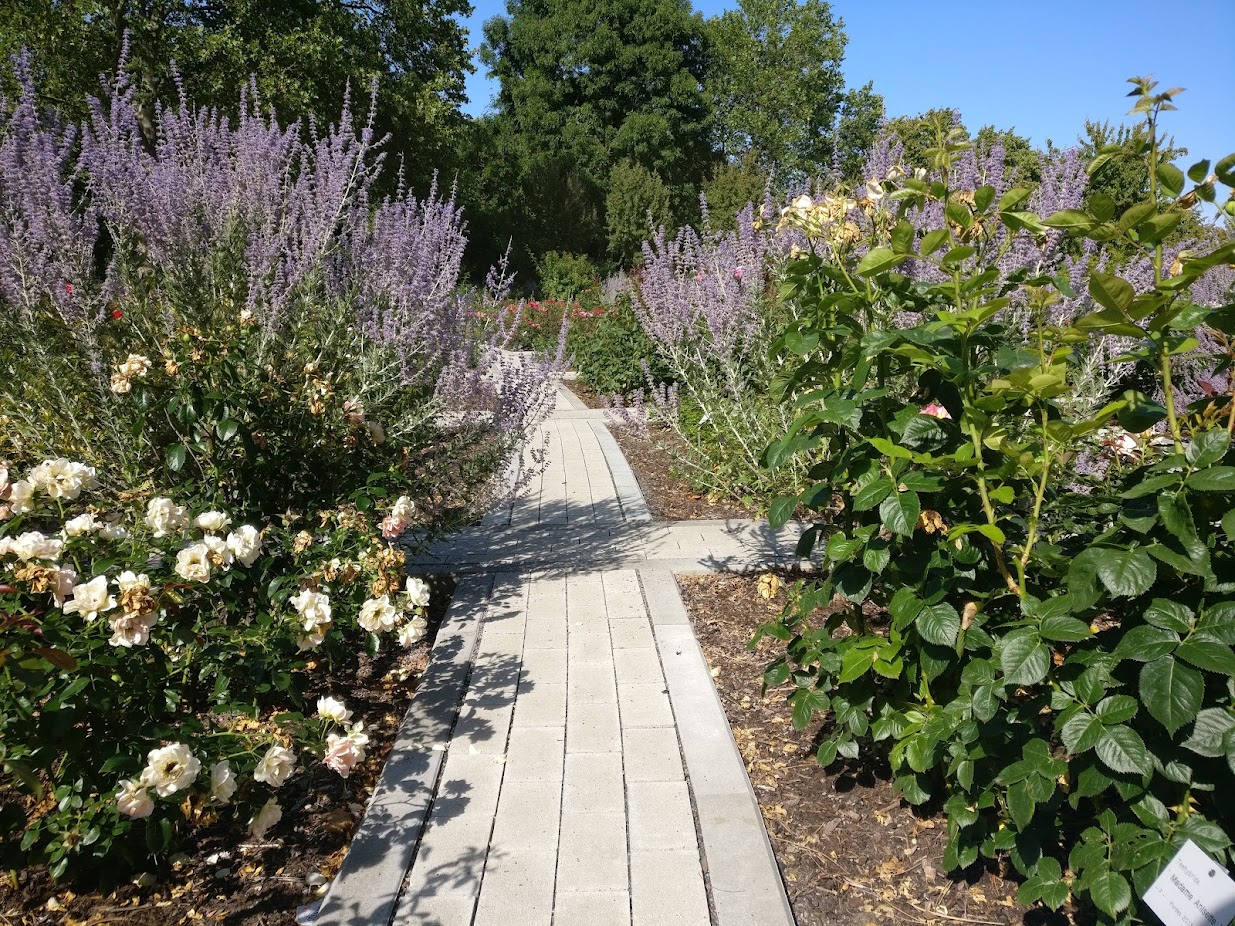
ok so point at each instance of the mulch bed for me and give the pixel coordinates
(226, 877)
(655, 461)
(851, 852)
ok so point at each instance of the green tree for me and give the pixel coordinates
(775, 83)
(731, 187)
(638, 202)
(301, 53)
(585, 86)
(861, 117)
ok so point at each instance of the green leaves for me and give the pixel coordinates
(1171, 692)
(878, 260)
(939, 624)
(1126, 573)
(1024, 659)
(900, 511)
(1121, 749)
(1111, 292)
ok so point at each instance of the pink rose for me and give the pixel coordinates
(342, 753)
(935, 411)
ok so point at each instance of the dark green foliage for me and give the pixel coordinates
(612, 352)
(732, 187)
(637, 204)
(567, 277)
(1055, 669)
(861, 115)
(301, 54)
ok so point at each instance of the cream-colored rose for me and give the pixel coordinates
(270, 814)
(90, 599)
(34, 545)
(193, 563)
(170, 769)
(417, 593)
(82, 524)
(61, 478)
(133, 800)
(62, 586)
(220, 554)
(276, 766)
(413, 631)
(131, 630)
(21, 497)
(378, 615)
(135, 366)
(212, 521)
(313, 608)
(165, 517)
(245, 543)
(344, 752)
(333, 709)
(222, 782)
(121, 384)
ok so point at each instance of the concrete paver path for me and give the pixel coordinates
(566, 759)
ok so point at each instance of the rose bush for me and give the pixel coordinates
(145, 646)
(1030, 599)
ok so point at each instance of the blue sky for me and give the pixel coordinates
(1039, 66)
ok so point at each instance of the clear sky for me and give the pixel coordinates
(1039, 66)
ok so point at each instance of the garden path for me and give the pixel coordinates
(566, 759)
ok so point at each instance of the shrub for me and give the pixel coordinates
(611, 351)
(1054, 669)
(231, 308)
(146, 644)
(568, 277)
(704, 302)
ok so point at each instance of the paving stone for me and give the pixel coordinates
(540, 705)
(660, 815)
(528, 813)
(440, 910)
(651, 754)
(594, 783)
(592, 908)
(666, 888)
(545, 666)
(593, 727)
(644, 706)
(631, 634)
(590, 645)
(591, 681)
(592, 852)
(535, 754)
(638, 667)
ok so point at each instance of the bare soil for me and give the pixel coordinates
(224, 876)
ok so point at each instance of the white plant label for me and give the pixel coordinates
(1193, 890)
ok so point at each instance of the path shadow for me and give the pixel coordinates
(413, 793)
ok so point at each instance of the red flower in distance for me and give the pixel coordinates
(117, 314)
(68, 288)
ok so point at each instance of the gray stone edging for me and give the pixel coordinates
(735, 843)
(366, 890)
(630, 496)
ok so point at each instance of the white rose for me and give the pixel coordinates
(378, 615)
(34, 545)
(113, 530)
(413, 631)
(61, 478)
(313, 607)
(135, 366)
(333, 709)
(91, 599)
(129, 580)
(270, 814)
(246, 543)
(134, 800)
(222, 782)
(276, 766)
(21, 496)
(403, 508)
(220, 553)
(66, 576)
(82, 524)
(120, 384)
(131, 630)
(193, 563)
(213, 521)
(417, 593)
(313, 639)
(163, 516)
(170, 769)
